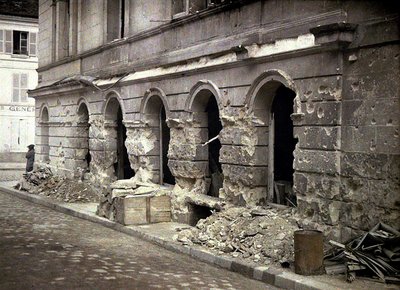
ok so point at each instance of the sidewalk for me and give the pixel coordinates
(162, 233)
(11, 170)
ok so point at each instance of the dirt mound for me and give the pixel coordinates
(259, 235)
(42, 182)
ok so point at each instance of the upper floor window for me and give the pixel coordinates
(18, 42)
(115, 19)
(184, 7)
(20, 87)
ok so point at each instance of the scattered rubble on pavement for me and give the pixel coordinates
(262, 235)
(42, 182)
(373, 254)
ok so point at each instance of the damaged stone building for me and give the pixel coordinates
(246, 102)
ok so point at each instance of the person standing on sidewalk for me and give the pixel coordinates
(30, 158)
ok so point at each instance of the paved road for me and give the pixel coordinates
(44, 249)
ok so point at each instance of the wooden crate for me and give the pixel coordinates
(142, 209)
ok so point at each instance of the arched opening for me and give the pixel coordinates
(206, 108)
(283, 145)
(44, 138)
(83, 125)
(214, 127)
(165, 136)
(156, 114)
(116, 137)
(122, 167)
(273, 104)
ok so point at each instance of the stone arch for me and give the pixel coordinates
(269, 81)
(44, 107)
(199, 95)
(150, 104)
(111, 106)
(116, 135)
(273, 99)
(204, 104)
(155, 111)
(83, 109)
(82, 154)
(44, 118)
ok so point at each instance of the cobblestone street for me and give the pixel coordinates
(44, 249)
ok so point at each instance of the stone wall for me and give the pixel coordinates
(345, 116)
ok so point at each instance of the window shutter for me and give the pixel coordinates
(8, 41)
(32, 43)
(1, 41)
(15, 95)
(24, 87)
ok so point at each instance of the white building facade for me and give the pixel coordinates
(18, 64)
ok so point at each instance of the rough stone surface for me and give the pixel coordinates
(345, 112)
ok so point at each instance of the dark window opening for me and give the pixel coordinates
(178, 6)
(165, 138)
(198, 212)
(122, 24)
(115, 19)
(284, 145)
(83, 114)
(214, 127)
(20, 42)
(122, 166)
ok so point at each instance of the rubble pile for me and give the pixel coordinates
(374, 254)
(263, 235)
(42, 182)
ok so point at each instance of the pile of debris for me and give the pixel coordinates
(43, 182)
(263, 235)
(374, 254)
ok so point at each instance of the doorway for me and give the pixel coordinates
(214, 165)
(165, 136)
(123, 168)
(83, 122)
(283, 144)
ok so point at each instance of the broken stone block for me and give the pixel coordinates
(142, 209)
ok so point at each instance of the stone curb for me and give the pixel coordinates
(270, 275)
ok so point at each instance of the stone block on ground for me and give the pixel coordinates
(142, 209)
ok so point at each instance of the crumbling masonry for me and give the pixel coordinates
(303, 96)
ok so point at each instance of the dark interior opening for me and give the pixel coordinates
(165, 138)
(122, 166)
(84, 120)
(284, 145)
(198, 212)
(122, 32)
(88, 158)
(20, 42)
(214, 127)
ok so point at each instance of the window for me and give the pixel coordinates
(32, 43)
(184, 7)
(18, 42)
(20, 87)
(1, 41)
(115, 19)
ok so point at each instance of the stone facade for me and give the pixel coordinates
(223, 69)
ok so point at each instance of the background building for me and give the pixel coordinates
(18, 64)
(303, 96)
